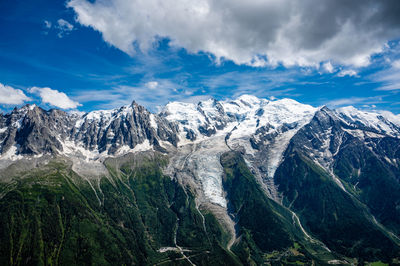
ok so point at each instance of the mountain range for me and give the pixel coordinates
(247, 181)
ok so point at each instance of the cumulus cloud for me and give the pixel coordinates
(328, 67)
(9, 95)
(347, 72)
(252, 32)
(55, 98)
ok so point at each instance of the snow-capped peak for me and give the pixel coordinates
(181, 123)
(380, 121)
(184, 113)
(99, 115)
(32, 106)
(247, 113)
(251, 99)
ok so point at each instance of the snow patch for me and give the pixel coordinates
(153, 122)
(11, 154)
(72, 149)
(361, 134)
(144, 146)
(100, 116)
(17, 124)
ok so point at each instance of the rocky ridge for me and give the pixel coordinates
(260, 129)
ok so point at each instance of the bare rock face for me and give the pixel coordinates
(42, 131)
(127, 126)
(33, 130)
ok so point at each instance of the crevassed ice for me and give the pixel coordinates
(208, 169)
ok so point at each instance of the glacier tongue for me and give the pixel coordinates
(197, 165)
(208, 169)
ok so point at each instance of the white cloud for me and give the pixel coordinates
(389, 78)
(347, 72)
(55, 98)
(9, 95)
(396, 64)
(253, 32)
(152, 84)
(393, 85)
(64, 27)
(328, 67)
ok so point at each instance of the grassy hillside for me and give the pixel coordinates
(373, 179)
(268, 231)
(138, 216)
(331, 214)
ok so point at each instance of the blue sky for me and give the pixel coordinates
(85, 55)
